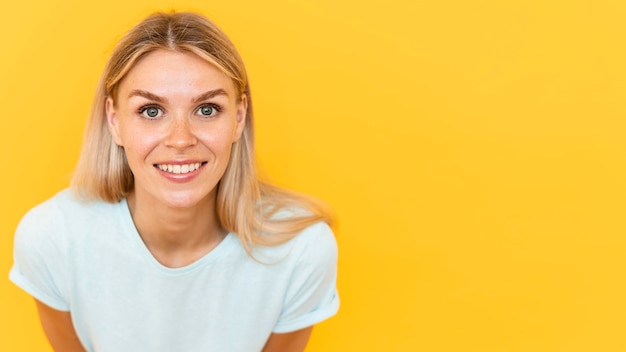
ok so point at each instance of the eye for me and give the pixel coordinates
(208, 110)
(151, 111)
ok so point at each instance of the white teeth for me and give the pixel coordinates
(179, 169)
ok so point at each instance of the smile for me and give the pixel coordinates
(179, 169)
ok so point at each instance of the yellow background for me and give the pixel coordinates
(474, 152)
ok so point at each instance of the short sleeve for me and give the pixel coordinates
(39, 257)
(311, 295)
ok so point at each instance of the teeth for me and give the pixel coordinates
(179, 169)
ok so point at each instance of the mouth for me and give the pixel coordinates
(179, 168)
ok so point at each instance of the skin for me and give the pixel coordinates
(172, 84)
(173, 108)
(59, 329)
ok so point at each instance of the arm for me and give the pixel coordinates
(59, 329)
(288, 342)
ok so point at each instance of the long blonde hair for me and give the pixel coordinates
(245, 205)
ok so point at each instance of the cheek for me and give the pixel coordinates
(138, 144)
(218, 137)
(216, 149)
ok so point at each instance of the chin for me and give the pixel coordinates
(186, 199)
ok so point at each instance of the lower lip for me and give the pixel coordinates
(180, 178)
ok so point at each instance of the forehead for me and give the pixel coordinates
(167, 71)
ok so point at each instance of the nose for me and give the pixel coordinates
(180, 133)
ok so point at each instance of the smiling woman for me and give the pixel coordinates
(174, 111)
(168, 240)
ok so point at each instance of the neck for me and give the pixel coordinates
(176, 236)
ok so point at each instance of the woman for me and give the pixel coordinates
(167, 240)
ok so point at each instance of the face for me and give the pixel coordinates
(177, 117)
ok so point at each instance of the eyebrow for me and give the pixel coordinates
(150, 96)
(210, 94)
(147, 95)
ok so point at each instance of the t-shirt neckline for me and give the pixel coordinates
(222, 248)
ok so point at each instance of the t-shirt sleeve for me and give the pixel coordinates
(311, 296)
(39, 256)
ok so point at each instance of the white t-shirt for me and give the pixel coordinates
(88, 258)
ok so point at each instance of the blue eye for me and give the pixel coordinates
(150, 112)
(208, 110)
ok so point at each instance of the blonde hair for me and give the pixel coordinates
(245, 205)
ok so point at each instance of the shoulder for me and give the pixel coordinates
(314, 246)
(308, 259)
(59, 215)
(44, 216)
(46, 240)
(64, 201)
(316, 239)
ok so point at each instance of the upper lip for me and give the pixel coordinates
(179, 162)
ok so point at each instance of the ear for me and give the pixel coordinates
(112, 121)
(241, 117)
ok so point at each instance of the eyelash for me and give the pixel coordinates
(142, 110)
(215, 107)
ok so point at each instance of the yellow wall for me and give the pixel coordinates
(475, 152)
